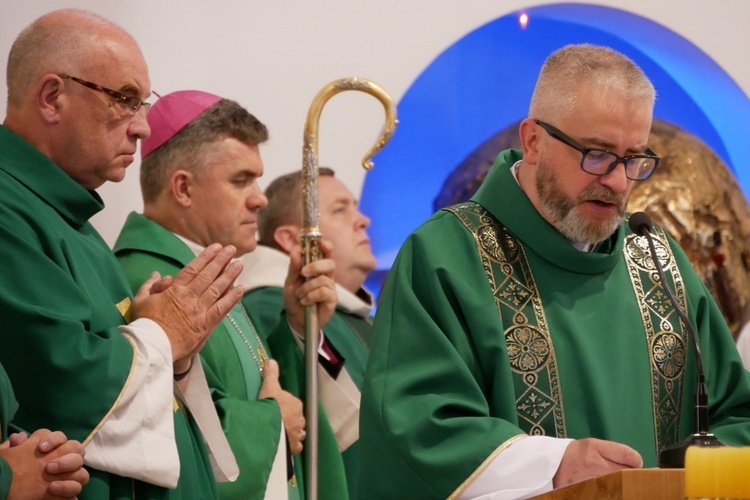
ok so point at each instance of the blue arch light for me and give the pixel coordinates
(483, 83)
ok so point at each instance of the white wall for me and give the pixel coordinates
(274, 56)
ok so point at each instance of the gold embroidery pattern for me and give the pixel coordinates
(664, 332)
(530, 351)
(496, 242)
(668, 353)
(126, 309)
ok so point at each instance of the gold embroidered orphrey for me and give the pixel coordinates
(664, 330)
(531, 352)
(532, 358)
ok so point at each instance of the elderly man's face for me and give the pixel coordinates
(101, 134)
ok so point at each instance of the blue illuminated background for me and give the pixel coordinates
(483, 83)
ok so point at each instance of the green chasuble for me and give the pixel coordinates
(59, 292)
(252, 426)
(491, 325)
(349, 333)
(8, 407)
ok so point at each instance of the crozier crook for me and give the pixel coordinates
(311, 242)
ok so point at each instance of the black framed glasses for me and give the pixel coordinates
(132, 104)
(601, 162)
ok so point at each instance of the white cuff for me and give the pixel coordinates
(340, 399)
(524, 469)
(137, 438)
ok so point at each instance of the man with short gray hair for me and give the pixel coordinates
(522, 342)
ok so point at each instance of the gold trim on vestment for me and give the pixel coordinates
(664, 332)
(119, 396)
(125, 306)
(531, 353)
(487, 461)
(530, 349)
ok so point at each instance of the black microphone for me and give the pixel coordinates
(674, 456)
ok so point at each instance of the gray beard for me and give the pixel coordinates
(563, 213)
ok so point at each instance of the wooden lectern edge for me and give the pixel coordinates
(627, 484)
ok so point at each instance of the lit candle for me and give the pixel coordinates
(717, 472)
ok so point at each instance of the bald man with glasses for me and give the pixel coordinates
(114, 371)
(128, 102)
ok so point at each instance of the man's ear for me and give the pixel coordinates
(529, 134)
(287, 236)
(181, 187)
(50, 97)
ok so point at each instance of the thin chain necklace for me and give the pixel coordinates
(260, 357)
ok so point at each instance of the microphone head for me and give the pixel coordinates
(640, 223)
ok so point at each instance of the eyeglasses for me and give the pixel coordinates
(601, 162)
(132, 104)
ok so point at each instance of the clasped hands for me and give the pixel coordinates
(45, 465)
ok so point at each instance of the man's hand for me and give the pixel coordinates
(190, 306)
(587, 458)
(44, 465)
(311, 284)
(291, 408)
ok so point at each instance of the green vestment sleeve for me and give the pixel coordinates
(61, 325)
(6, 477)
(331, 474)
(266, 305)
(425, 422)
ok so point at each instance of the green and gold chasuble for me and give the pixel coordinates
(492, 326)
(231, 359)
(60, 289)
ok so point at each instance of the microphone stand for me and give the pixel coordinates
(674, 456)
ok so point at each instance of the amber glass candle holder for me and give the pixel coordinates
(717, 472)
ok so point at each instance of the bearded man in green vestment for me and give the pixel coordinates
(350, 329)
(199, 179)
(522, 341)
(84, 355)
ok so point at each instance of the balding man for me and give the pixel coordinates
(83, 354)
